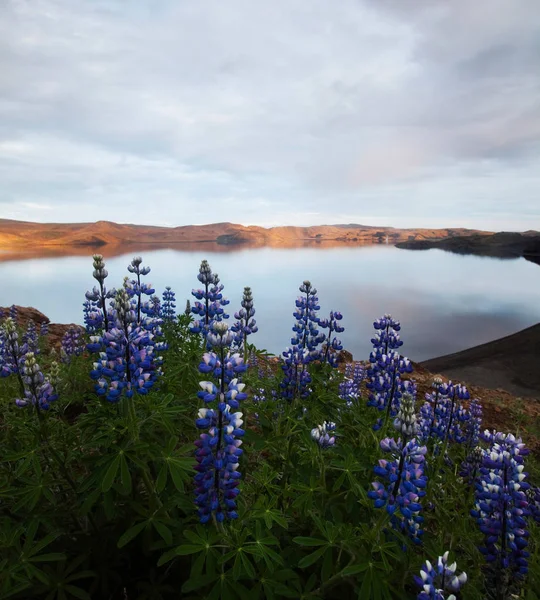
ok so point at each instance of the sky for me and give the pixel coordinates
(404, 113)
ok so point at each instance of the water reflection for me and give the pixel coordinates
(446, 302)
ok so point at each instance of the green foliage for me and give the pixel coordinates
(96, 499)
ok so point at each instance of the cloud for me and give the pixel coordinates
(254, 112)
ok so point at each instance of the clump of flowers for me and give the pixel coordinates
(323, 435)
(38, 391)
(211, 307)
(403, 474)
(127, 362)
(501, 506)
(439, 580)
(245, 324)
(218, 449)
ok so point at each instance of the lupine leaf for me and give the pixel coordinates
(110, 474)
(312, 558)
(309, 541)
(131, 533)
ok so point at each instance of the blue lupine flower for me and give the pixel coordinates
(217, 457)
(72, 344)
(470, 467)
(245, 324)
(331, 345)
(387, 336)
(385, 384)
(152, 308)
(98, 298)
(218, 450)
(349, 388)
(13, 312)
(404, 475)
(12, 354)
(323, 436)
(450, 413)
(211, 307)
(473, 425)
(44, 329)
(436, 582)
(304, 349)
(501, 504)
(38, 391)
(135, 287)
(168, 306)
(30, 338)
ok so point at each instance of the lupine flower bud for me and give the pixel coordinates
(321, 434)
(435, 582)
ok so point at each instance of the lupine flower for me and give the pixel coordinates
(436, 582)
(30, 337)
(349, 388)
(304, 347)
(72, 344)
(44, 329)
(218, 450)
(245, 324)
(331, 345)
(404, 474)
(152, 308)
(450, 414)
(168, 306)
(54, 374)
(470, 467)
(322, 434)
(211, 307)
(38, 391)
(135, 287)
(473, 425)
(387, 336)
(12, 355)
(187, 310)
(13, 312)
(501, 504)
(98, 297)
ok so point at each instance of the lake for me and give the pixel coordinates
(446, 302)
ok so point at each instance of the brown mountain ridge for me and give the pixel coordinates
(20, 235)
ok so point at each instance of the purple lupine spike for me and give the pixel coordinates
(135, 287)
(44, 329)
(245, 324)
(404, 475)
(98, 298)
(435, 581)
(501, 506)
(349, 388)
(168, 306)
(211, 307)
(331, 345)
(30, 337)
(218, 449)
(72, 344)
(305, 345)
(38, 391)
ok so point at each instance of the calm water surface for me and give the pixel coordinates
(445, 302)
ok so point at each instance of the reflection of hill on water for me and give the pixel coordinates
(112, 251)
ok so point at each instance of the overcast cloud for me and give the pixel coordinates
(172, 112)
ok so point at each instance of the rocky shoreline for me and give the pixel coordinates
(498, 245)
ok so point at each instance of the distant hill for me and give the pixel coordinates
(20, 235)
(502, 245)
